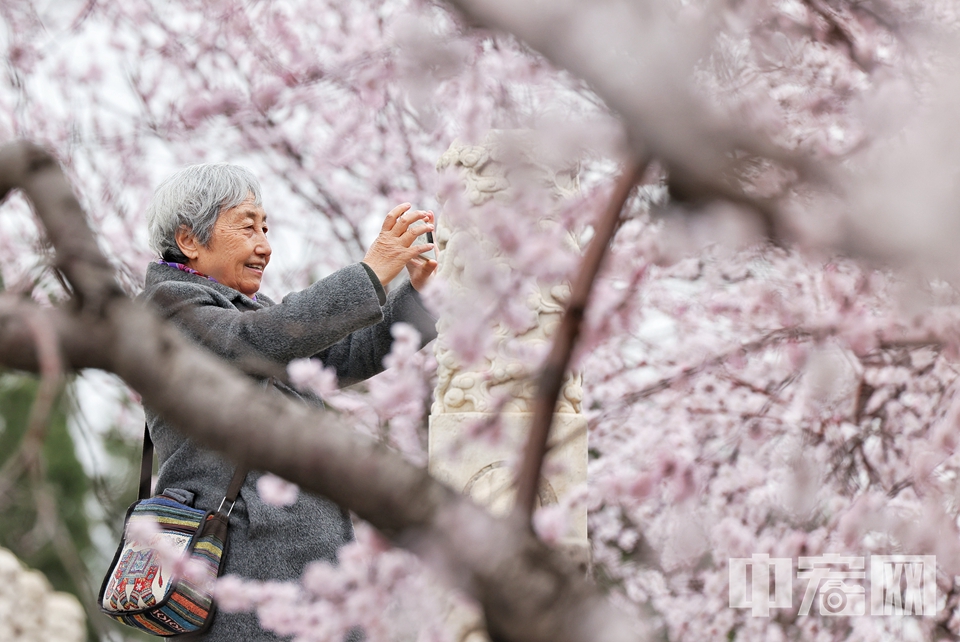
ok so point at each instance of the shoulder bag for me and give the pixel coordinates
(161, 579)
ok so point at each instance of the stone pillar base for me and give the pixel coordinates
(484, 470)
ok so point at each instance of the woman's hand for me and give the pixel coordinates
(393, 248)
(420, 269)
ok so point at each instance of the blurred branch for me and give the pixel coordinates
(34, 171)
(11, 471)
(27, 457)
(551, 377)
(529, 592)
(843, 27)
(769, 339)
(51, 383)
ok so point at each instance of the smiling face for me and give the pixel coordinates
(238, 250)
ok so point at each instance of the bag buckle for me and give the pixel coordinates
(229, 510)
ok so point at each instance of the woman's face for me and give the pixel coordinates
(238, 250)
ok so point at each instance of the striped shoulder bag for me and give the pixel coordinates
(161, 579)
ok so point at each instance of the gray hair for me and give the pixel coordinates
(193, 198)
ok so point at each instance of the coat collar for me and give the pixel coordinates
(159, 273)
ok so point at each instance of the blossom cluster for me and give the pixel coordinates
(763, 403)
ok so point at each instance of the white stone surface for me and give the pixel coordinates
(502, 382)
(30, 611)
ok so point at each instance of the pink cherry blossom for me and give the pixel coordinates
(276, 491)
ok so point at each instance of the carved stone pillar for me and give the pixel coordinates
(502, 381)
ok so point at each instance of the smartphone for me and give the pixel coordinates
(429, 254)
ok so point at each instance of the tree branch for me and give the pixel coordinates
(551, 377)
(31, 169)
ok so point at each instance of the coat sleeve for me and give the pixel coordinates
(303, 324)
(360, 355)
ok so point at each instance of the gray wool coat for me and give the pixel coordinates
(344, 320)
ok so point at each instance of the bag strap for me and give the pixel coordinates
(233, 490)
(146, 475)
(146, 471)
(146, 465)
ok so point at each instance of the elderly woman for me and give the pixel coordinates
(209, 227)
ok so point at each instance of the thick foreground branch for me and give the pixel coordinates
(529, 593)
